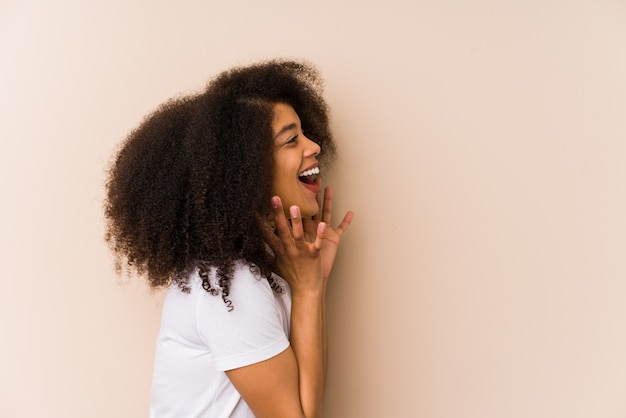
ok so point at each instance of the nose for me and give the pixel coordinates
(312, 149)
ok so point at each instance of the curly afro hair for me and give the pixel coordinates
(189, 187)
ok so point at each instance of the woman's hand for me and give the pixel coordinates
(306, 238)
(298, 259)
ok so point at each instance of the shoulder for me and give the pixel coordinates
(244, 278)
(248, 290)
(254, 330)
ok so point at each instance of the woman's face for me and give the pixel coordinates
(296, 179)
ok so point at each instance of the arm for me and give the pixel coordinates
(291, 384)
(270, 388)
(300, 263)
(328, 252)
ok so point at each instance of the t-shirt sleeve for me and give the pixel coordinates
(252, 332)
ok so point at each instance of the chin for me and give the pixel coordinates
(310, 211)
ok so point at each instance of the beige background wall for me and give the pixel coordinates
(483, 149)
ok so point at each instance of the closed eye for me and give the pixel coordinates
(292, 140)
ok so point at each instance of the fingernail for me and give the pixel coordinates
(275, 202)
(294, 211)
(322, 227)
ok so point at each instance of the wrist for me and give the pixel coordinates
(307, 293)
(306, 283)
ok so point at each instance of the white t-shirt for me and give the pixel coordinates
(199, 339)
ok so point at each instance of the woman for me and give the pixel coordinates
(217, 196)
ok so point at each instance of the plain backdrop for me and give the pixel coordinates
(482, 147)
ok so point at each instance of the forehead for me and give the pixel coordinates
(284, 115)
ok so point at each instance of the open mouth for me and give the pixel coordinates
(309, 176)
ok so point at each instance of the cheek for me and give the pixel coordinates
(281, 180)
(285, 168)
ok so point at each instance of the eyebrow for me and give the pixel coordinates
(285, 129)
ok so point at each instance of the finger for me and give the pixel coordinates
(275, 243)
(328, 205)
(270, 236)
(297, 232)
(345, 223)
(282, 226)
(320, 236)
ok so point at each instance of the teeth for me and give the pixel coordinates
(314, 170)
